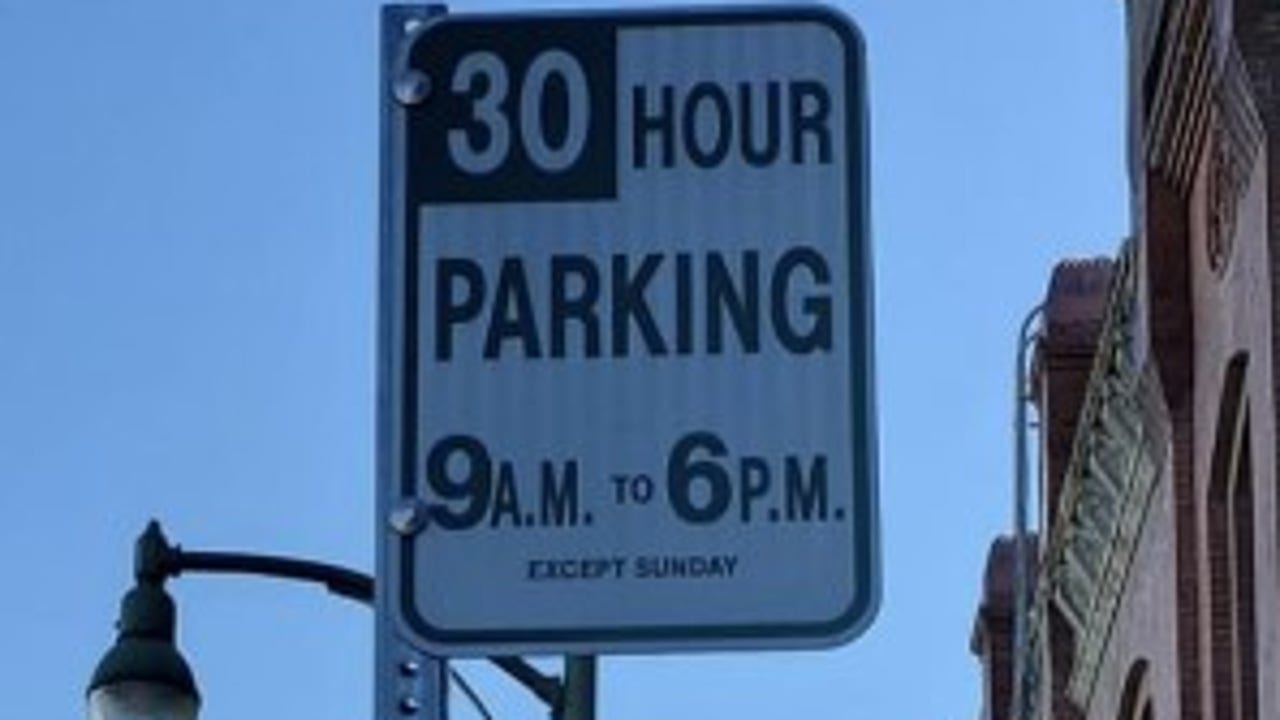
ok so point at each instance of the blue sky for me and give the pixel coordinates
(188, 238)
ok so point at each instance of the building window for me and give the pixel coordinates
(1232, 621)
(1135, 700)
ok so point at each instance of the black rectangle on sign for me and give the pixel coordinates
(515, 112)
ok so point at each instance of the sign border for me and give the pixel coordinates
(398, 386)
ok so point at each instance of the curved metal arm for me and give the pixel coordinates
(339, 581)
(155, 560)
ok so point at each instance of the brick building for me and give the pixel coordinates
(1154, 587)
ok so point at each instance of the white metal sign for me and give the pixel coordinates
(627, 389)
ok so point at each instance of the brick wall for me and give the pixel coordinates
(1074, 306)
(992, 639)
(1207, 228)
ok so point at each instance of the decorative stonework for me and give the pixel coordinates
(1222, 199)
(1237, 137)
(1200, 92)
(1117, 456)
(1178, 91)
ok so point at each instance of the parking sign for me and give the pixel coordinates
(627, 388)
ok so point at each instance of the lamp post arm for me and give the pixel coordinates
(155, 560)
(341, 581)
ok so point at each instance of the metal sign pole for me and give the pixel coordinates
(579, 688)
(408, 683)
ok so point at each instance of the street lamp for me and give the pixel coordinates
(144, 677)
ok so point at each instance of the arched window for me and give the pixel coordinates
(1135, 699)
(1229, 511)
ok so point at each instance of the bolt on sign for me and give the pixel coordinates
(627, 346)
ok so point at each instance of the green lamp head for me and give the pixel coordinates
(143, 676)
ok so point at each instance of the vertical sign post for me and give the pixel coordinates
(407, 681)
